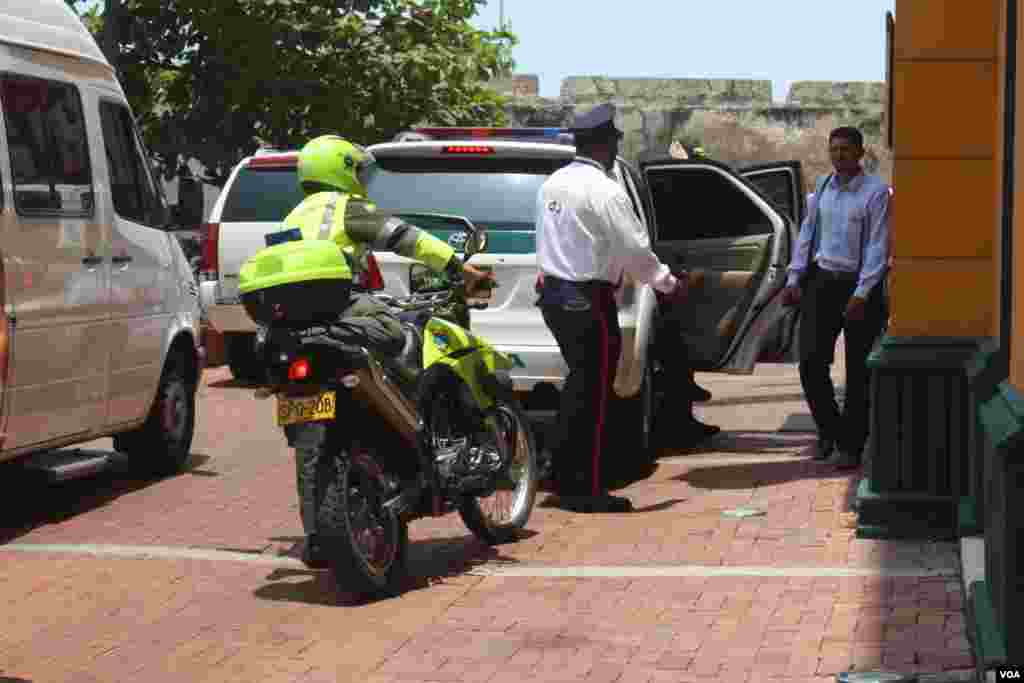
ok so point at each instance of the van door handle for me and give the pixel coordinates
(120, 260)
(92, 261)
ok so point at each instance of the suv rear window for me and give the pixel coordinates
(500, 194)
(263, 195)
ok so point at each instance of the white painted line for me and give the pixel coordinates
(503, 570)
(639, 571)
(147, 552)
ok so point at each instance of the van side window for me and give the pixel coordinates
(131, 180)
(48, 147)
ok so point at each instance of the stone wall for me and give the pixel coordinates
(651, 111)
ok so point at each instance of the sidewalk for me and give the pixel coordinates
(677, 591)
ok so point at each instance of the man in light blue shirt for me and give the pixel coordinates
(836, 278)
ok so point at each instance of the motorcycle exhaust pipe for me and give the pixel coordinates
(376, 389)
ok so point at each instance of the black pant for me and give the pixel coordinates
(672, 352)
(584, 320)
(822, 312)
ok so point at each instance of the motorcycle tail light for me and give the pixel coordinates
(299, 370)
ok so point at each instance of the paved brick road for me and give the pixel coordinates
(193, 578)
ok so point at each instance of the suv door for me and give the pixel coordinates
(783, 183)
(712, 222)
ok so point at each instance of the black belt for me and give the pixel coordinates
(582, 284)
(837, 275)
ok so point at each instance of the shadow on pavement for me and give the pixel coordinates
(11, 679)
(745, 442)
(429, 562)
(753, 475)
(30, 501)
(232, 384)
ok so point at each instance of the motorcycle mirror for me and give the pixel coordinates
(476, 242)
(423, 280)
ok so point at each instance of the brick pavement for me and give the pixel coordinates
(666, 612)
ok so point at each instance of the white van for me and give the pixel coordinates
(100, 329)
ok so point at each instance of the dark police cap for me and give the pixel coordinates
(597, 123)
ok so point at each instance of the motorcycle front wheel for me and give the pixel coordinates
(499, 517)
(364, 543)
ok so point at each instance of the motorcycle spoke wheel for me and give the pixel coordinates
(374, 531)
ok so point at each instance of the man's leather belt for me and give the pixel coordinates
(837, 275)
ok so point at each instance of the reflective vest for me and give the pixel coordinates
(313, 246)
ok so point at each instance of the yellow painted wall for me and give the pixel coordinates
(1017, 333)
(947, 148)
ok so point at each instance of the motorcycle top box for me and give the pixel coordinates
(297, 283)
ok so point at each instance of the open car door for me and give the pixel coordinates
(783, 183)
(711, 221)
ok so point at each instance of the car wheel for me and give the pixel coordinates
(242, 360)
(161, 446)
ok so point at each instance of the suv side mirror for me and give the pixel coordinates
(476, 242)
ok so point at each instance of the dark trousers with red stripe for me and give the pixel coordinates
(583, 317)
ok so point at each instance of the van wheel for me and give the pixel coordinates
(242, 359)
(162, 444)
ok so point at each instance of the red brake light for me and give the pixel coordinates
(209, 237)
(274, 161)
(467, 149)
(372, 280)
(299, 370)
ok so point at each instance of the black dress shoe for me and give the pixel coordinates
(824, 449)
(697, 431)
(313, 554)
(699, 394)
(595, 504)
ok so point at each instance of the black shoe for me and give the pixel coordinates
(699, 394)
(844, 460)
(592, 504)
(313, 554)
(824, 449)
(697, 431)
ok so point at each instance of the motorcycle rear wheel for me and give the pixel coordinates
(364, 544)
(499, 517)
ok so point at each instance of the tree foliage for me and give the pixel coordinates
(213, 79)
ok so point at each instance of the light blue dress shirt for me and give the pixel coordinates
(851, 216)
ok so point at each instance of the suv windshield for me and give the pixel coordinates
(262, 195)
(500, 198)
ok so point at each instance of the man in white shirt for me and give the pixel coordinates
(836, 277)
(588, 237)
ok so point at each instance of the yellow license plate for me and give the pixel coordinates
(307, 409)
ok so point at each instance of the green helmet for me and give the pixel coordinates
(336, 162)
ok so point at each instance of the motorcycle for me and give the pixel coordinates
(435, 430)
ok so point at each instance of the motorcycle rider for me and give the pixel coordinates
(332, 174)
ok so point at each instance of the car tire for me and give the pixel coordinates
(161, 446)
(242, 359)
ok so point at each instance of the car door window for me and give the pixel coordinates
(48, 147)
(132, 186)
(703, 204)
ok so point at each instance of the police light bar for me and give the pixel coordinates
(548, 135)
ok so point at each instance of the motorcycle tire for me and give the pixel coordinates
(364, 545)
(499, 517)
